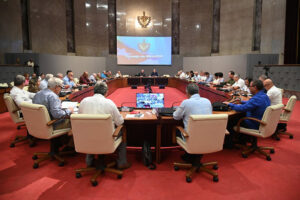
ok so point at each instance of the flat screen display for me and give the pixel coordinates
(149, 100)
(132, 50)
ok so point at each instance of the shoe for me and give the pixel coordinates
(125, 166)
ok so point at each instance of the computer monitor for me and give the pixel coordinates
(150, 100)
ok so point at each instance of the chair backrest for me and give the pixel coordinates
(12, 108)
(271, 118)
(286, 115)
(206, 133)
(93, 133)
(36, 117)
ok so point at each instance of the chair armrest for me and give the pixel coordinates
(52, 122)
(118, 129)
(184, 133)
(251, 118)
(14, 111)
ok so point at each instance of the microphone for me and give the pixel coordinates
(126, 103)
(175, 103)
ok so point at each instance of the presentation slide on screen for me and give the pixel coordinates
(132, 50)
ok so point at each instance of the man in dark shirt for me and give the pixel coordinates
(142, 73)
(154, 73)
(84, 78)
(231, 75)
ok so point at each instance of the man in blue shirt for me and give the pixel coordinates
(49, 98)
(194, 105)
(254, 107)
(103, 75)
(69, 80)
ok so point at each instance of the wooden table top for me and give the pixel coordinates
(147, 115)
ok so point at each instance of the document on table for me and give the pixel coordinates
(129, 116)
(68, 104)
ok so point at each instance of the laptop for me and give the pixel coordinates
(150, 100)
(166, 111)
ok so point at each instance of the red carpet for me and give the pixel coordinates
(127, 96)
(252, 178)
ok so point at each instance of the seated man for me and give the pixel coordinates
(118, 75)
(84, 78)
(209, 78)
(109, 74)
(93, 78)
(254, 107)
(273, 92)
(44, 82)
(69, 80)
(154, 73)
(239, 83)
(230, 75)
(18, 94)
(103, 75)
(218, 78)
(98, 104)
(142, 73)
(194, 105)
(49, 98)
(196, 77)
(60, 76)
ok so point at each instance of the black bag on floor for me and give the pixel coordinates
(147, 157)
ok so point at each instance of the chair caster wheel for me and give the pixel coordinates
(244, 155)
(188, 179)
(119, 176)
(277, 138)
(61, 164)
(78, 175)
(272, 151)
(35, 166)
(34, 157)
(215, 179)
(291, 136)
(176, 168)
(215, 167)
(12, 145)
(268, 158)
(94, 183)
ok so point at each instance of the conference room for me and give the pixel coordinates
(169, 99)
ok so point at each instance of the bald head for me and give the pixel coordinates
(268, 83)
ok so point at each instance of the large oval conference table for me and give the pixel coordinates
(158, 130)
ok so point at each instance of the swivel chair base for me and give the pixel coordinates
(281, 130)
(19, 139)
(196, 168)
(254, 148)
(38, 157)
(99, 170)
